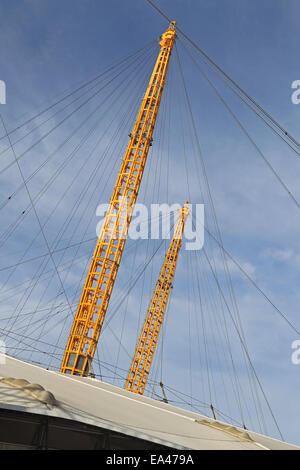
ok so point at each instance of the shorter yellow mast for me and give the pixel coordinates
(141, 363)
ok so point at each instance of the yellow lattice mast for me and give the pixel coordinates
(104, 266)
(145, 350)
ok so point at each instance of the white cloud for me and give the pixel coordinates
(282, 255)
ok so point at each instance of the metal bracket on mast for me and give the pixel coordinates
(163, 392)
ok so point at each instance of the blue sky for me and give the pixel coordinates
(50, 46)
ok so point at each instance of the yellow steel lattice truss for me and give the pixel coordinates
(145, 350)
(87, 325)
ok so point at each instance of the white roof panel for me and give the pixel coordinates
(100, 404)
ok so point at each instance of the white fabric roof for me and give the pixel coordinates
(94, 402)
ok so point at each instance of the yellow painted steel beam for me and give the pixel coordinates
(145, 350)
(88, 321)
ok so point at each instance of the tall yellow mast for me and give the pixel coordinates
(87, 325)
(145, 350)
